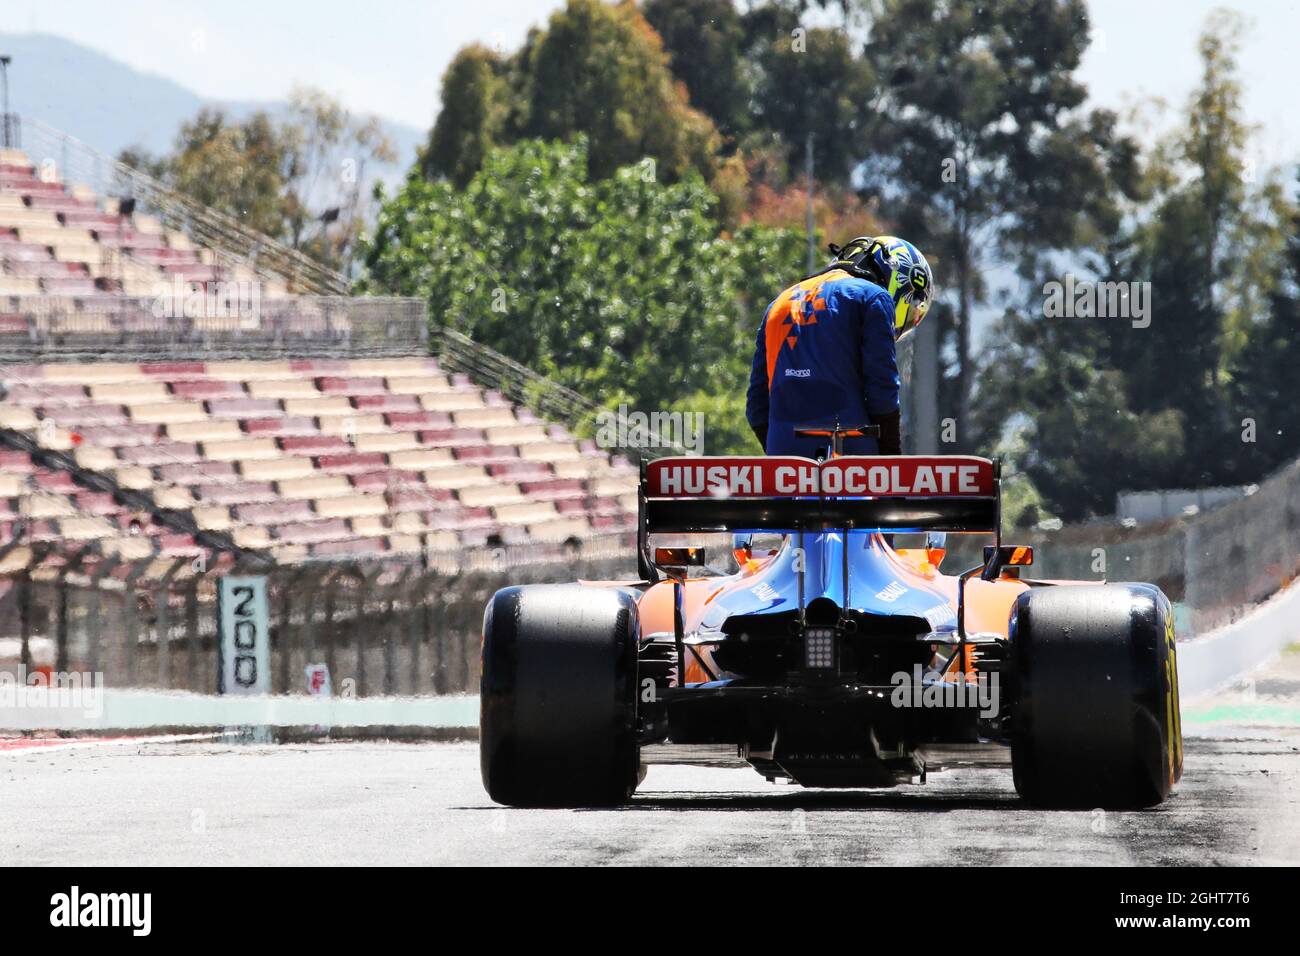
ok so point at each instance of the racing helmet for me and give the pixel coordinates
(897, 266)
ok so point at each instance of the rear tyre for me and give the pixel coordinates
(1094, 692)
(558, 725)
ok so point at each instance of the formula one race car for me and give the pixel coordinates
(830, 658)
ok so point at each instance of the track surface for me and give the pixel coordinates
(206, 802)
(422, 803)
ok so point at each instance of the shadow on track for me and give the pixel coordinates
(823, 800)
(820, 800)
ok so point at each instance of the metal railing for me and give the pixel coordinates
(490, 369)
(61, 156)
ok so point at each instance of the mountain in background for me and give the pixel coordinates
(109, 105)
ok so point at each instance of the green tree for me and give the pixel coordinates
(621, 288)
(1262, 379)
(601, 70)
(238, 168)
(598, 70)
(1056, 409)
(1103, 405)
(279, 176)
(705, 41)
(811, 82)
(1211, 245)
(987, 157)
(475, 106)
(330, 150)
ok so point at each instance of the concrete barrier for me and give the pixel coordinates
(134, 709)
(1224, 654)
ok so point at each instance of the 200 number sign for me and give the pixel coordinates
(245, 636)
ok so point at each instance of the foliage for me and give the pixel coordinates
(621, 288)
(475, 105)
(598, 70)
(1105, 405)
(279, 175)
(705, 41)
(989, 159)
(1262, 375)
(1075, 437)
(812, 83)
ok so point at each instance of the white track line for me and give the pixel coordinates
(31, 745)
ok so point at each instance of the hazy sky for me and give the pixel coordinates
(386, 56)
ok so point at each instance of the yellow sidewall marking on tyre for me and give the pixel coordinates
(1174, 721)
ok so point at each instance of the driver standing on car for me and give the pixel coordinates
(826, 348)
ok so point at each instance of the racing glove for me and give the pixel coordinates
(760, 432)
(891, 432)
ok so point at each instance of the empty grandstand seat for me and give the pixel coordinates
(18, 251)
(13, 285)
(288, 455)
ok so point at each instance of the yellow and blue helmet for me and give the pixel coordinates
(897, 266)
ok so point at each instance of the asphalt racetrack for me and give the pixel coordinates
(373, 803)
(209, 802)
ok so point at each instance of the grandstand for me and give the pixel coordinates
(65, 241)
(342, 439)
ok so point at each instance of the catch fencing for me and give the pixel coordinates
(398, 628)
(1215, 566)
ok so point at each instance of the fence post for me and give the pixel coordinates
(423, 620)
(367, 581)
(61, 634)
(386, 619)
(280, 635)
(165, 623)
(131, 619)
(192, 630)
(95, 632)
(398, 591)
(437, 632)
(417, 624)
(25, 620)
(332, 579)
(292, 639)
(75, 564)
(309, 618)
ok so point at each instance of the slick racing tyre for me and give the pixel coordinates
(1094, 692)
(558, 723)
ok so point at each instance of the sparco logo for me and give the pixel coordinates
(74, 909)
(798, 373)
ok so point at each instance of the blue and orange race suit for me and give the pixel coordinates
(825, 352)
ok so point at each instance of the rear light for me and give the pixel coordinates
(819, 648)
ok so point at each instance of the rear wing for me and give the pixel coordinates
(878, 493)
(957, 493)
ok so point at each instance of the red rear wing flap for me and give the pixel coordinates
(895, 493)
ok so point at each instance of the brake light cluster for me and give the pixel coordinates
(819, 648)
